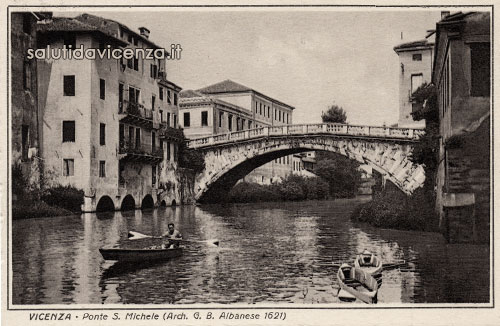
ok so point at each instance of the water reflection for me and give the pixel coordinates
(276, 252)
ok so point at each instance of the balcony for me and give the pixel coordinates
(142, 153)
(136, 114)
(169, 133)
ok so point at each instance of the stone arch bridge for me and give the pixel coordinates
(231, 156)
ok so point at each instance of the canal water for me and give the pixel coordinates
(269, 253)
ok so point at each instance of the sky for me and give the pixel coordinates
(309, 59)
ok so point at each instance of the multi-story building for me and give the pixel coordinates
(415, 61)
(228, 106)
(462, 74)
(26, 122)
(108, 125)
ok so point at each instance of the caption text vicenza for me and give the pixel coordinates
(191, 315)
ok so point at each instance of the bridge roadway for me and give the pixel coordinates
(341, 130)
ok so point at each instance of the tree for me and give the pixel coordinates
(190, 158)
(334, 114)
(341, 173)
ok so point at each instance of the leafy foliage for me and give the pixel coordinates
(190, 158)
(66, 197)
(293, 188)
(334, 114)
(394, 209)
(340, 173)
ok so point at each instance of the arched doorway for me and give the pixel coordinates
(163, 203)
(128, 203)
(147, 202)
(105, 204)
(174, 203)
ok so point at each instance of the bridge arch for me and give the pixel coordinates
(147, 202)
(105, 204)
(128, 203)
(226, 163)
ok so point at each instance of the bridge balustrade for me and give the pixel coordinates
(301, 129)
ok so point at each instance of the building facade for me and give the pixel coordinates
(228, 106)
(108, 124)
(26, 120)
(415, 61)
(462, 76)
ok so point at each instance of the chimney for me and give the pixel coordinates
(444, 14)
(144, 32)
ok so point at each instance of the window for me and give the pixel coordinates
(255, 106)
(130, 63)
(221, 116)
(27, 75)
(136, 64)
(417, 57)
(68, 131)
(175, 121)
(237, 123)
(230, 122)
(275, 114)
(249, 124)
(153, 72)
(137, 137)
(136, 41)
(161, 116)
(160, 91)
(480, 69)
(169, 98)
(168, 119)
(268, 111)
(153, 140)
(204, 118)
(416, 81)
(25, 141)
(187, 119)
(102, 169)
(69, 85)
(102, 134)
(133, 95)
(27, 23)
(130, 38)
(131, 136)
(153, 100)
(153, 175)
(260, 109)
(120, 98)
(168, 151)
(102, 89)
(68, 167)
(175, 98)
(122, 134)
(70, 41)
(175, 152)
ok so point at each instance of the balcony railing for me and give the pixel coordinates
(140, 152)
(168, 132)
(136, 114)
(408, 134)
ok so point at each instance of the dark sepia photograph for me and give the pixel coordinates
(249, 157)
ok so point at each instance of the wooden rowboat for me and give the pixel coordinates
(358, 283)
(369, 263)
(139, 255)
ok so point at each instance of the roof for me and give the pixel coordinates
(101, 22)
(229, 86)
(189, 93)
(66, 24)
(412, 45)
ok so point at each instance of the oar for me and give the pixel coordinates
(133, 235)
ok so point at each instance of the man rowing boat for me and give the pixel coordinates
(171, 235)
